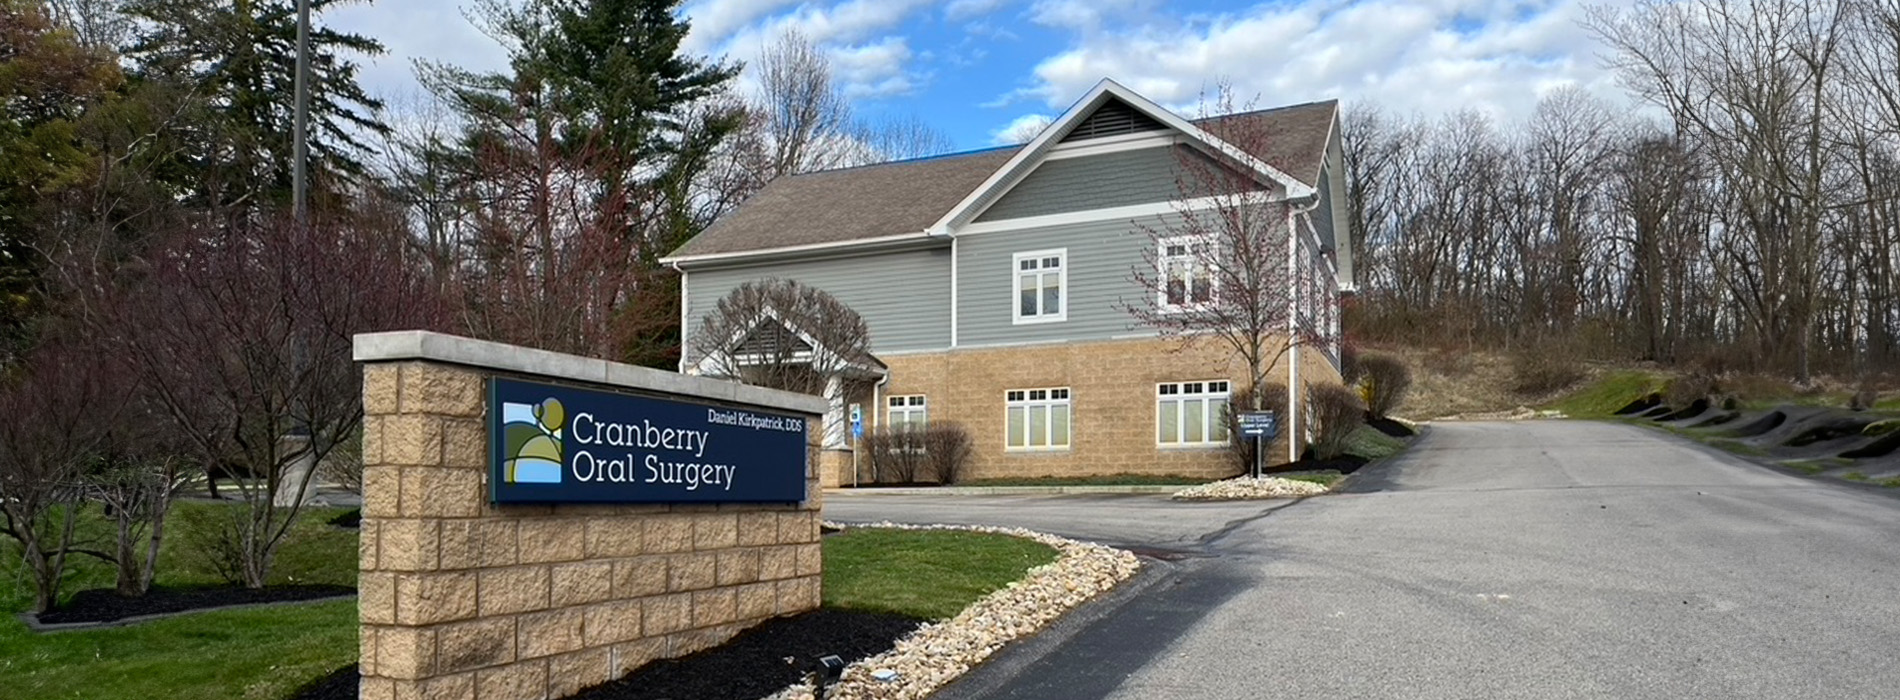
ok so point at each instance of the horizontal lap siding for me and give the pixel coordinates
(1102, 257)
(903, 296)
(1092, 182)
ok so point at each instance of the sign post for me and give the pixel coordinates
(857, 437)
(1261, 426)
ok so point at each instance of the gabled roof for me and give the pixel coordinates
(907, 201)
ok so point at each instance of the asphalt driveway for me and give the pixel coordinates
(1495, 560)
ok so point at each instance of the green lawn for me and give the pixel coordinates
(254, 654)
(1604, 396)
(1326, 478)
(265, 653)
(932, 574)
(1368, 442)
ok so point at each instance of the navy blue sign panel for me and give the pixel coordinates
(561, 444)
(1257, 424)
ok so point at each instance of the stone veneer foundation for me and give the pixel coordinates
(468, 600)
(1112, 383)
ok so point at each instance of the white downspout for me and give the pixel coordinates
(1293, 330)
(685, 315)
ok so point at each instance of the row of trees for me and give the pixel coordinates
(1754, 225)
(165, 322)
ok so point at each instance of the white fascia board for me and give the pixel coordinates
(680, 260)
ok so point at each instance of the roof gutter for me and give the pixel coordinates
(900, 240)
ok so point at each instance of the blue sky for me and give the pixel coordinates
(974, 68)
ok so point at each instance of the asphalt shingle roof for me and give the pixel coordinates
(908, 196)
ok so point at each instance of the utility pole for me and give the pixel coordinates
(300, 139)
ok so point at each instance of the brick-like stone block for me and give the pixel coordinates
(668, 613)
(379, 389)
(405, 653)
(435, 389)
(738, 566)
(692, 641)
(526, 680)
(630, 656)
(797, 527)
(615, 537)
(408, 545)
(550, 539)
(476, 644)
(382, 491)
(376, 597)
(441, 493)
(366, 654)
(368, 552)
(549, 632)
(640, 576)
(669, 533)
(411, 440)
(692, 572)
(778, 562)
(798, 595)
(715, 531)
(571, 673)
(612, 622)
(513, 590)
(758, 600)
(584, 582)
(467, 544)
(714, 607)
(464, 444)
(369, 688)
(459, 686)
(429, 598)
(758, 528)
(810, 559)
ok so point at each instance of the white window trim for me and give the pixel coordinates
(1067, 401)
(1016, 287)
(1161, 272)
(891, 412)
(1208, 416)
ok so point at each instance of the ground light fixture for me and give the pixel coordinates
(830, 668)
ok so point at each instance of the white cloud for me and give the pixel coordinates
(1431, 57)
(875, 69)
(714, 21)
(1020, 129)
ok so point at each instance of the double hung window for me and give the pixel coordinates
(1041, 284)
(905, 412)
(1037, 419)
(1191, 414)
(1186, 281)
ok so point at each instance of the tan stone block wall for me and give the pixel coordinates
(463, 599)
(1113, 402)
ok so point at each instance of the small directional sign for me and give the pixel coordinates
(1259, 424)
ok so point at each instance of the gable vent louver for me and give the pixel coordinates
(1112, 119)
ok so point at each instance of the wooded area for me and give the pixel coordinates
(1747, 218)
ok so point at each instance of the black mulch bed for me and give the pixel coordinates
(351, 519)
(1390, 427)
(750, 666)
(106, 605)
(1344, 464)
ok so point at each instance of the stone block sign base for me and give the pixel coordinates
(464, 599)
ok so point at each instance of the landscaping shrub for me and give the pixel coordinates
(1543, 369)
(1351, 370)
(1863, 399)
(1337, 412)
(947, 448)
(937, 454)
(1384, 380)
(896, 455)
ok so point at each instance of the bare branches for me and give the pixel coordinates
(784, 335)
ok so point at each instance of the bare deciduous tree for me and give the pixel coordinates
(781, 334)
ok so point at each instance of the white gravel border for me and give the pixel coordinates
(1249, 488)
(939, 652)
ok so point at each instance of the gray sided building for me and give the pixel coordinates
(1001, 286)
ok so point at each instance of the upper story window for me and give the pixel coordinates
(1186, 280)
(905, 412)
(1042, 281)
(1191, 413)
(1036, 418)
